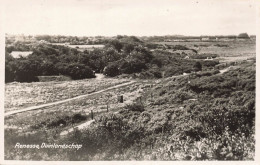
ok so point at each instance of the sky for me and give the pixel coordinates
(129, 17)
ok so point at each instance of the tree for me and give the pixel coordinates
(132, 66)
(243, 35)
(79, 71)
(27, 70)
(9, 68)
(116, 44)
(112, 70)
(47, 69)
(128, 48)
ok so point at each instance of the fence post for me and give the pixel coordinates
(140, 99)
(92, 115)
(120, 99)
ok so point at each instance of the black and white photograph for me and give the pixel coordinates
(129, 80)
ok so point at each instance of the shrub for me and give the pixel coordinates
(207, 73)
(152, 73)
(132, 66)
(79, 71)
(26, 71)
(221, 45)
(60, 121)
(157, 61)
(135, 107)
(112, 70)
(179, 47)
(204, 56)
(179, 97)
(211, 63)
(197, 66)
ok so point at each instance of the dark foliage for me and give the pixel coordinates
(197, 66)
(135, 107)
(111, 70)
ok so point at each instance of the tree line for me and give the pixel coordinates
(123, 55)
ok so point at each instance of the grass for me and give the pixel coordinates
(22, 95)
(53, 120)
(227, 51)
(97, 102)
(174, 121)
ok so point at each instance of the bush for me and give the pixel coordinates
(112, 70)
(204, 56)
(179, 47)
(135, 107)
(60, 121)
(211, 63)
(10, 67)
(26, 70)
(197, 66)
(157, 61)
(150, 74)
(132, 66)
(79, 71)
(206, 73)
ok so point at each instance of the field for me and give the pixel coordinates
(227, 51)
(80, 47)
(97, 103)
(45, 92)
(200, 115)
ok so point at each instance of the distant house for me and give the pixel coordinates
(18, 54)
(205, 39)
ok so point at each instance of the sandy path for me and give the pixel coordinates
(99, 76)
(79, 127)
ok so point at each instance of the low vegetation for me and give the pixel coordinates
(184, 102)
(123, 55)
(197, 117)
(36, 93)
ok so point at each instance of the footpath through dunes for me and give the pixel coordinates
(66, 100)
(88, 123)
(84, 95)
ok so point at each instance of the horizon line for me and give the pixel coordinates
(128, 35)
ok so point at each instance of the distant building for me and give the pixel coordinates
(205, 39)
